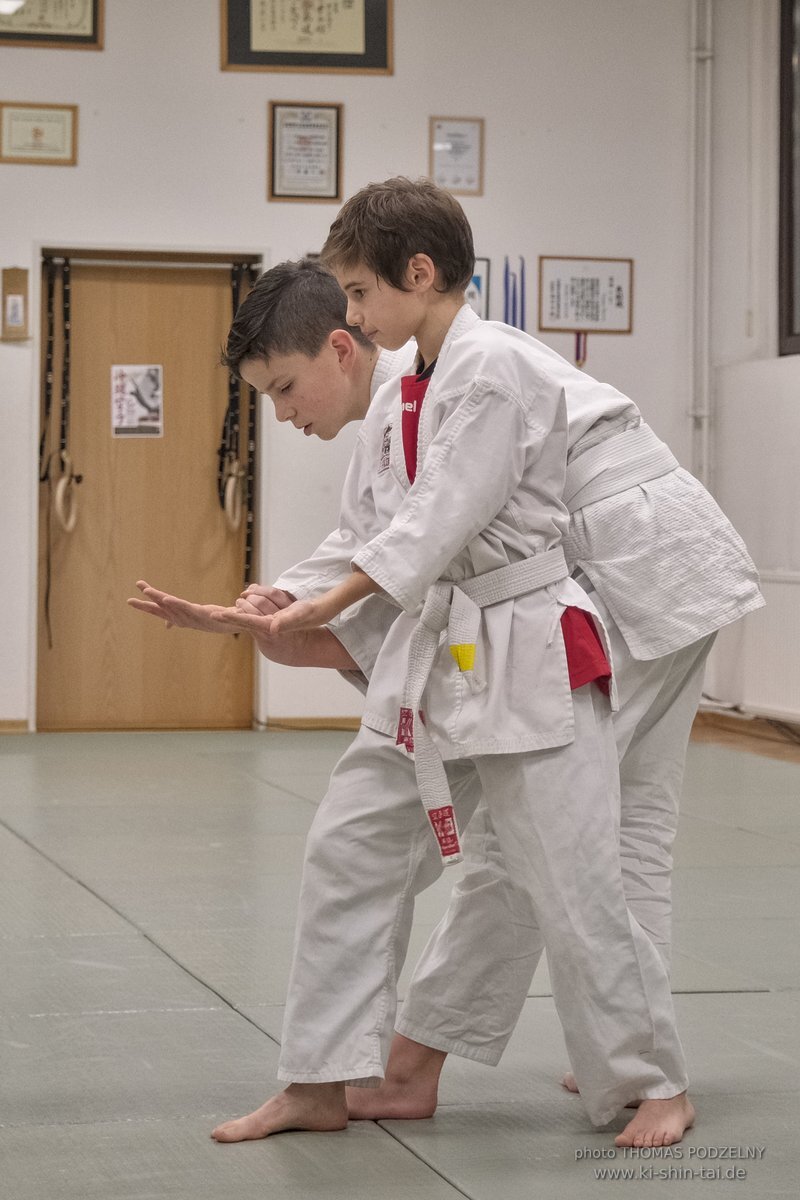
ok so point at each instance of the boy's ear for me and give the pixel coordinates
(420, 272)
(344, 344)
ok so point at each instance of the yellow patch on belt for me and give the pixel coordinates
(464, 654)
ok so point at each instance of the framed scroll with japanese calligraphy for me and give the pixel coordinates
(352, 36)
(585, 295)
(61, 24)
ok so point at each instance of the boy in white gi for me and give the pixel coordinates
(464, 529)
(291, 321)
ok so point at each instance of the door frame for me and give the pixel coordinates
(96, 251)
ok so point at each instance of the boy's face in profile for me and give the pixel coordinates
(315, 394)
(386, 315)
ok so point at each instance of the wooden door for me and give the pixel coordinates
(147, 508)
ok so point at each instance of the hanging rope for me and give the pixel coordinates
(230, 471)
(250, 476)
(50, 274)
(65, 504)
(235, 477)
(55, 468)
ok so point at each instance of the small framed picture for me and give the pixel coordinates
(44, 134)
(346, 37)
(14, 326)
(55, 24)
(455, 154)
(305, 151)
(477, 292)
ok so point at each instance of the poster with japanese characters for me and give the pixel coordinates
(137, 400)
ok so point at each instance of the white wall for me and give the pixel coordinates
(756, 394)
(586, 106)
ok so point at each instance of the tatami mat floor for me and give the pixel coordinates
(148, 885)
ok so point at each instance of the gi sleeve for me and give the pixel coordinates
(362, 629)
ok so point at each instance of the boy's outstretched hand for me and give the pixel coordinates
(182, 614)
(254, 615)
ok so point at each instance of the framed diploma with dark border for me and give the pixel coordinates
(60, 24)
(352, 36)
(304, 156)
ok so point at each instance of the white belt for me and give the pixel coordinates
(456, 606)
(616, 464)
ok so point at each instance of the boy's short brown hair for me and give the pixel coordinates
(291, 309)
(385, 224)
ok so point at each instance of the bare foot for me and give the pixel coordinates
(410, 1090)
(658, 1122)
(313, 1106)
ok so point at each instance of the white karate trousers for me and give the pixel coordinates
(555, 816)
(474, 974)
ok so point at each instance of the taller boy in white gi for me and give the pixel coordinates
(479, 500)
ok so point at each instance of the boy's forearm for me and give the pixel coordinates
(355, 588)
(309, 648)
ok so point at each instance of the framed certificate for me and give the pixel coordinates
(304, 158)
(62, 24)
(44, 134)
(585, 295)
(455, 154)
(352, 36)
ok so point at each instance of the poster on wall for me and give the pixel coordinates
(587, 295)
(477, 293)
(350, 36)
(60, 24)
(137, 400)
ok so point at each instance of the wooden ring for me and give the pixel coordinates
(65, 505)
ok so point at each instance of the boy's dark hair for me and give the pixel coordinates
(385, 224)
(291, 310)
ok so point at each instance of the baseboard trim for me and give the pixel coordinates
(13, 726)
(759, 735)
(345, 724)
